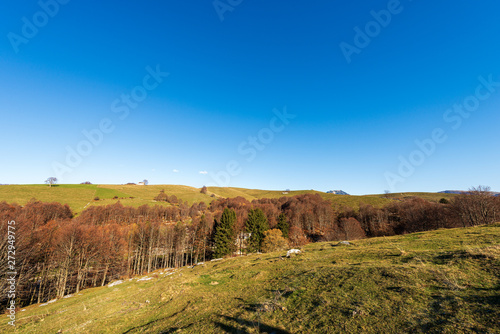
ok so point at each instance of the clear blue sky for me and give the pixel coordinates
(65, 70)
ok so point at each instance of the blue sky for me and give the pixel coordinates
(353, 116)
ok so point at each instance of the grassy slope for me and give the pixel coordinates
(337, 200)
(148, 193)
(75, 195)
(439, 281)
(428, 196)
(79, 196)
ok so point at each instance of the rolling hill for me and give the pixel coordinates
(79, 196)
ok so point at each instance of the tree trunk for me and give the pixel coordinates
(105, 273)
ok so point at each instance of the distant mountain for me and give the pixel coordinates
(464, 191)
(337, 192)
(451, 192)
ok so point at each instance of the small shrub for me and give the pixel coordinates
(96, 198)
(274, 241)
(162, 197)
(444, 201)
(173, 199)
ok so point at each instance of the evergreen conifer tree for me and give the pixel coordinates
(256, 225)
(224, 234)
(283, 225)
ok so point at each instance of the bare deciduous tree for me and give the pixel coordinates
(51, 180)
(475, 207)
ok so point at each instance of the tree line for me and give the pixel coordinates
(59, 254)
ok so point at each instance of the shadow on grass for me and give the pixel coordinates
(171, 330)
(443, 313)
(175, 329)
(487, 301)
(240, 325)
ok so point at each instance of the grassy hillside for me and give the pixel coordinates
(251, 194)
(445, 281)
(338, 200)
(79, 196)
(435, 197)
(75, 195)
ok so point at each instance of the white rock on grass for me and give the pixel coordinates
(144, 279)
(49, 302)
(292, 251)
(115, 283)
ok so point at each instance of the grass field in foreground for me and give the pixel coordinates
(444, 281)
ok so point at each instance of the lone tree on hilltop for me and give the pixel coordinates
(204, 190)
(50, 181)
(145, 182)
(224, 233)
(256, 225)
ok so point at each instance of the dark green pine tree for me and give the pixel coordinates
(224, 234)
(283, 225)
(256, 225)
